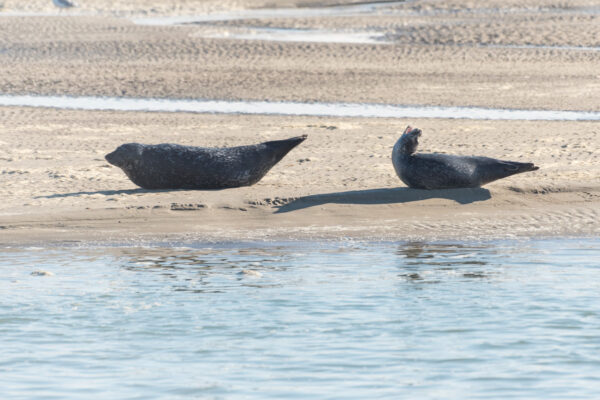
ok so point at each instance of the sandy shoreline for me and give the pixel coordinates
(55, 185)
(338, 184)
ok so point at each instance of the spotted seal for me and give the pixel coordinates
(172, 166)
(442, 171)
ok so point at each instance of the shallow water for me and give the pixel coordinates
(292, 108)
(309, 320)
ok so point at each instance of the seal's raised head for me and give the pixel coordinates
(125, 155)
(408, 142)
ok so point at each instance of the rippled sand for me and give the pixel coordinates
(55, 184)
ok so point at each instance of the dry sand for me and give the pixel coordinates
(56, 186)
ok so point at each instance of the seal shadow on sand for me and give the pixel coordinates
(116, 192)
(386, 196)
(104, 192)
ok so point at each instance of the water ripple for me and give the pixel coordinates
(418, 320)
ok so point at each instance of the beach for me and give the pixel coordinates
(329, 277)
(339, 184)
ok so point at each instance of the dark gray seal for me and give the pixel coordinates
(172, 166)
(442, 171)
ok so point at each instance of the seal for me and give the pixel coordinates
(172, 166)
(442, 171)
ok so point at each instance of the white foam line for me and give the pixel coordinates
(291, 108)
(299, 35)
(301, 12)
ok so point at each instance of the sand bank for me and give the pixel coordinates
(338, 184)
(55, 184)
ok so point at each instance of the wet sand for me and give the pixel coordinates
(56, 186)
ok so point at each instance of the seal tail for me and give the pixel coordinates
(280, 148)
(265, 156)
(516, 167)
(496, 169)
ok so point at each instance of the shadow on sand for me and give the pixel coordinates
(104, 192)
(386, 196)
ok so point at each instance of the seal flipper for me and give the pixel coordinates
(518, 167)
(272, 152)
(280, 148)
(265, 156)
(497, 169)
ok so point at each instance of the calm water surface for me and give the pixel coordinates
(337, 320)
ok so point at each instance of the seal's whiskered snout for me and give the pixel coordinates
(113, 158)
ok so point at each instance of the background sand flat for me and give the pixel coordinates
(448, 58)
(55, 184)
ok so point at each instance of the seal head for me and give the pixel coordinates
(408, 142)
(125, 155)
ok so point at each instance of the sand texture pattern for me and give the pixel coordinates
(56, 186)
